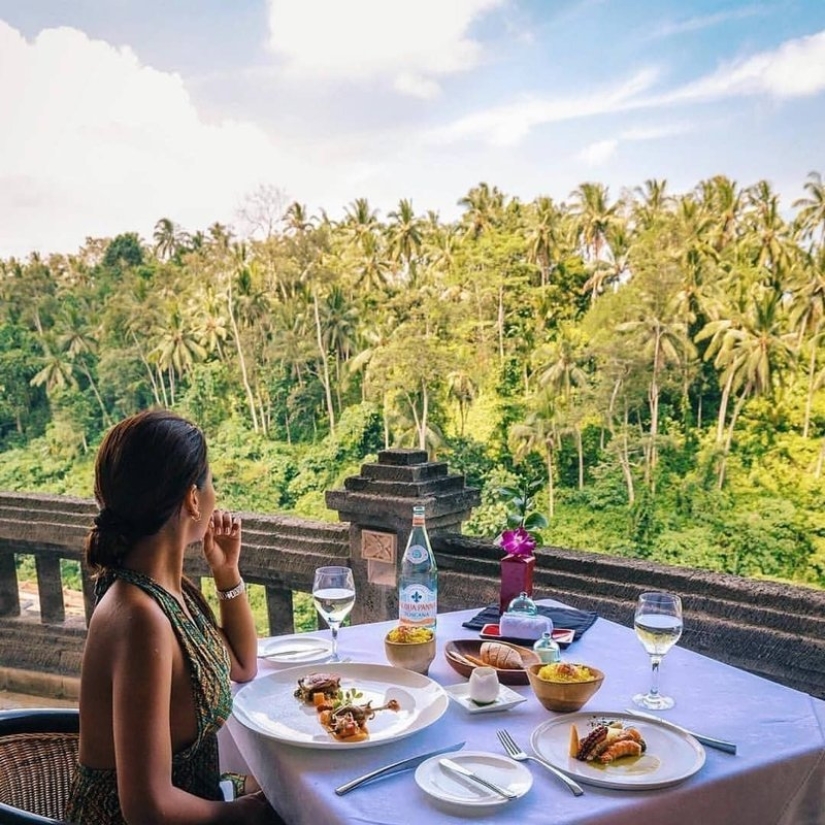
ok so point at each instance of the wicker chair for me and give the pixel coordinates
(38, 752)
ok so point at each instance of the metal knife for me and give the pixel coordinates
(294, 653)
(402, 765)
(462, 771)
(719, 744)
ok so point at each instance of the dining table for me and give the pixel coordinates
(776, 776)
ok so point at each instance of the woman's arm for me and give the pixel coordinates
(222, 550)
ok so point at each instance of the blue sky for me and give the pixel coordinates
(117, 113)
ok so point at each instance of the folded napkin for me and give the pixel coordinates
(566, 618)
(522, 626)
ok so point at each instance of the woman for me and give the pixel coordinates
(156, 667)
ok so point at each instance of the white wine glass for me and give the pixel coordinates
(658, 625)
(333, 592)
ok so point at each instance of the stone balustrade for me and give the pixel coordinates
(774, 630)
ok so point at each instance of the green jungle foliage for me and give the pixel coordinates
(655, 363)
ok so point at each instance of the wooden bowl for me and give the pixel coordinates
(416, 656)
(564, 697)
(457, 651)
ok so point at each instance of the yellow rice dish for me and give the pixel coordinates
(410, 635)
(565, 672)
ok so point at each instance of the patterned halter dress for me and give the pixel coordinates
(93, 799)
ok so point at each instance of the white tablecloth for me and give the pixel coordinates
(777, 777)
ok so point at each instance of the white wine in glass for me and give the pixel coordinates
(333, 592)
(658, 625)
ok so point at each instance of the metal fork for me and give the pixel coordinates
(515, 752)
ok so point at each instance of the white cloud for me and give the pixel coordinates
(693, 24)
(508, 124)
(795, 69)
(94, 143)
(598, 153)
(409, 44)
(655, 132)
(416, 85)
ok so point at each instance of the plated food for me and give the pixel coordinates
(268, 705)
(338, 711)
(668, 756)
(606, 742)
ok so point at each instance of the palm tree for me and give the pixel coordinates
(297, 219)
(75, 338)
(751, 355)
(177, 347)
(484, 207)
(654, 203)
(463, 389)
(169, 239)
(544, 233)
(404, 236)
(593, 217)
(564, 373)
(57, 372)
(539, 433)
(660, 341)
(360, 222)
(769, 233)
(339, 319)
(722, 204)
(808, 317)
(811, 216)
(613, 266)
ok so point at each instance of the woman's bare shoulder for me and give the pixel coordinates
(129, 613)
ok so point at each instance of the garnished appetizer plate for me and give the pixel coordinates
(670, 755)
(268, 704)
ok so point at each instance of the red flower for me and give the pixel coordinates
(517, 542)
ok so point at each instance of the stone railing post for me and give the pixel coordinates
(378, 505)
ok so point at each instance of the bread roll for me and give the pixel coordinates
(500, 656)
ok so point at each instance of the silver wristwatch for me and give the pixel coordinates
(237, 590)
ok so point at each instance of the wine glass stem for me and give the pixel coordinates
(334, 628)
(655, 661)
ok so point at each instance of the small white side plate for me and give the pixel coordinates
(294, 650)
(505, 700)
(445, 786)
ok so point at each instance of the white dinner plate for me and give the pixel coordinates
(294, 650)
(505, 700)
(438, 782)
(671, 755)
(269, 707)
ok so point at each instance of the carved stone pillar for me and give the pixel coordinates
(378, 505)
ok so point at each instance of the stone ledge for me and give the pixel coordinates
(35, 683)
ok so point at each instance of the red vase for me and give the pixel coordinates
(516, 578)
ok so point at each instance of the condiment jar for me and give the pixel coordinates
(547, 649)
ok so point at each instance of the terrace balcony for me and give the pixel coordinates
(774, 630)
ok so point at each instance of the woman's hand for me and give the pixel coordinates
(222, 548)
(257, 811)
